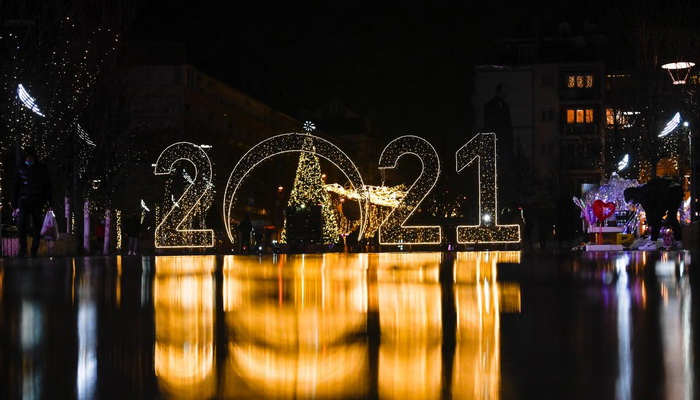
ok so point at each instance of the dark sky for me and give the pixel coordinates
(407, 68)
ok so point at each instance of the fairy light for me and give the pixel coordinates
(286, 143)
(195, 200)
(381, 201)
(393, 230)
(482, 148)
(308, 191)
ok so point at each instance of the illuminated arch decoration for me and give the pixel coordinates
(170, 232)
(482, 148)
(393, 230)
(287, 143)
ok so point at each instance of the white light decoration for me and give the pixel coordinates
(393, 230)
(286, 143)
(622, 164)
(28, 100)
(170, 232)
(85, 137)
(671, 125)
(482, 148)
(309, 126)
(143, 206)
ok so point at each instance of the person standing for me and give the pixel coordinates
(32, 193)
(658, 197)
(132, 230)
(497, 119)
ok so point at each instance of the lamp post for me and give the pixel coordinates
(679, 72)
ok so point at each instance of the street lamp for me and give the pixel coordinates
(679, 72)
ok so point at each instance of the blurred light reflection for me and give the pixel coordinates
(184, 322)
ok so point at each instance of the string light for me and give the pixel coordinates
(286, 143)
(482, 148)
(195, 200)
(308, 191)
(393, 230)
(28, 100)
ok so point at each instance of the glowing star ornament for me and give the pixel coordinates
(393, 230)
(286, 143)
(482, 148)
(170, 231)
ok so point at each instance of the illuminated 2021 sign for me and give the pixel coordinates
(393, 230)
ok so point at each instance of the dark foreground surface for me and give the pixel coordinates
(473, 325)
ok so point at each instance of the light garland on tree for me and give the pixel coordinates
(308, 191)
(171, 231)
(482, 148)
(393, 229)
(286, 143)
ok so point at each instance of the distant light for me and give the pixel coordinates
(623, 163)
(205, 146)
(486, 218)
(143, 205)
(671, 125)
(28, 100)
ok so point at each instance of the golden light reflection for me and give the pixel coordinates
(479, 301)
(295, 320)
(184, 322)
(307, 372)
(410, 319)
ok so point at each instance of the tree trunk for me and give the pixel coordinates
(86, 227)
(108, 230)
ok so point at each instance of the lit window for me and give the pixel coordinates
(609, 116)
(579, 81)
(579, 116)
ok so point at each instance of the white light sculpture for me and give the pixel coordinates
(170, 232)
(393, 230)
(671, 125)
(28, 100)
(678, 71)
(482, 148)
(622, 164)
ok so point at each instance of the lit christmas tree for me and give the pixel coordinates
(310, 216)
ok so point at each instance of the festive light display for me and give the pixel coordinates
(671, 125)
(285, 143)
(308, 191)
(622, 164)
(27, 100)
(393, 230)
(381, 201)
(482, 148)
(170, 232)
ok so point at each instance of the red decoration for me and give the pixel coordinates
(603, 210)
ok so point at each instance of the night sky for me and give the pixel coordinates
(406, 68)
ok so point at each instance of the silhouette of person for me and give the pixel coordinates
(658, 197)
(497, 119)
(245, 227)
(31, 194)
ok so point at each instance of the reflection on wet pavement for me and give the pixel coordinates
(469, 325)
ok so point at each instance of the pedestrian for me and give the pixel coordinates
(32, 193)
(497, 119)
(658, 197)
(132, 230)
(244, 228)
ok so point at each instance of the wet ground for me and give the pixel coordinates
(471, 325)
